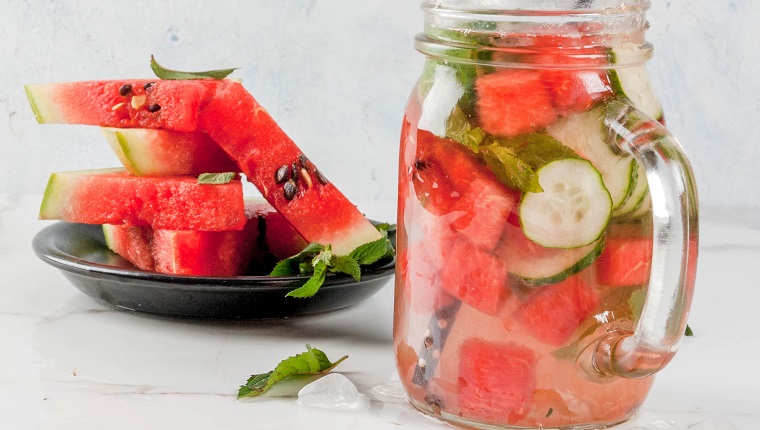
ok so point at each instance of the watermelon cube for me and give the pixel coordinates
(113, 196)
(496, 380)
(154, 152)
(553, 313)
(474, 276)
(625, 261)
(514, 101)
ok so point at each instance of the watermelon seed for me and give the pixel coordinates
(281, 175)
(138, 102)
(302, 161)
(294, 172)
(117, 106)
(154, 108)
(320, 177)
(428, 342)
(306, 177)
(148, 85)
(290, 189)
(125, 90)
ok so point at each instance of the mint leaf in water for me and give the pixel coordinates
(169, 74)
(296, 372)
(216, 178)
(509, 169)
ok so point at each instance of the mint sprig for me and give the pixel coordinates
(295, 372)
(169, 74)
(317, 260)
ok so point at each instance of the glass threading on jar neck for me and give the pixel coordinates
(589, 35)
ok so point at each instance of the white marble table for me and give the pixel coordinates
(70, 362)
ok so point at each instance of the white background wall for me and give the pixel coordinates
(336, 74)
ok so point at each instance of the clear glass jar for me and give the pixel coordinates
(547, 224)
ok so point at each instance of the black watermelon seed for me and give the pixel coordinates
(294, 173)
(281, 175)
(290, 189)
(320, 177)
(420, 165)
(148, 85)
(125, 90)
(154, 108)
(302, 161)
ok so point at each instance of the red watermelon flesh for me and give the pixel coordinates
(204, 253)
(625, 261)
(514, 101)
(454, 181)
(316, 208)
(474, 276)
(168, 104)
(496, 380)
(554, 312)
(113, 196)
(155, 152)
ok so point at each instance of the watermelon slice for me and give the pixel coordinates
(113, 196)
(496, 381)
(514, 101)
(234, 120)
(154, 152)
(282, 173)
(209, 253)
(553, 313)
(167, 104)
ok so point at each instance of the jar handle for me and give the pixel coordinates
(662, 323)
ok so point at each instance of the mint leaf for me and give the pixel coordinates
(311, 286)
(458, 128)
(509, 169)
(300, 369)
(688, 332)
(345, 264)
(636, 303)
(294, 265)
(286, 267)
(216, 178)
(385, 227)
(169, 74)
(537, 149)
(370, 252)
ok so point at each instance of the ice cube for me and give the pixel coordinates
(658, 425)
(392, 392)
(714, 423)
(333, 391)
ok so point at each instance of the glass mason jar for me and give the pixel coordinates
(547, 224)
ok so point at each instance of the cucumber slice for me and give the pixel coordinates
(636, 198)
(572, 211)
(533, 265)
(633, 82)
(584, 133)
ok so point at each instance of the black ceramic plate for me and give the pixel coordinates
(80, 252)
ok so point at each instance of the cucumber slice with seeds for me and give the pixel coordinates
(584, 133)
(572, 211)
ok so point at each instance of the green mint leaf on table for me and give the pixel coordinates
(169, 74)
(296, 371)
(216, 178)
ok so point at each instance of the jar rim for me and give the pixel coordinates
(535, 7)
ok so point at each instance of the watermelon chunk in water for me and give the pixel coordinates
(496, 381)
(113, 196)
(553, 313)
(514, 101)
(209, 253)
(625, 261)
(155, 152)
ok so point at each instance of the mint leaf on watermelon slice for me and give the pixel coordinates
(294, 372)
(215, 178)
(169, 74)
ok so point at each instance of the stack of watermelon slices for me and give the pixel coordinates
(158, 212)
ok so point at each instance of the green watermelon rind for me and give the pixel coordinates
(123, 150)
(60, 184)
